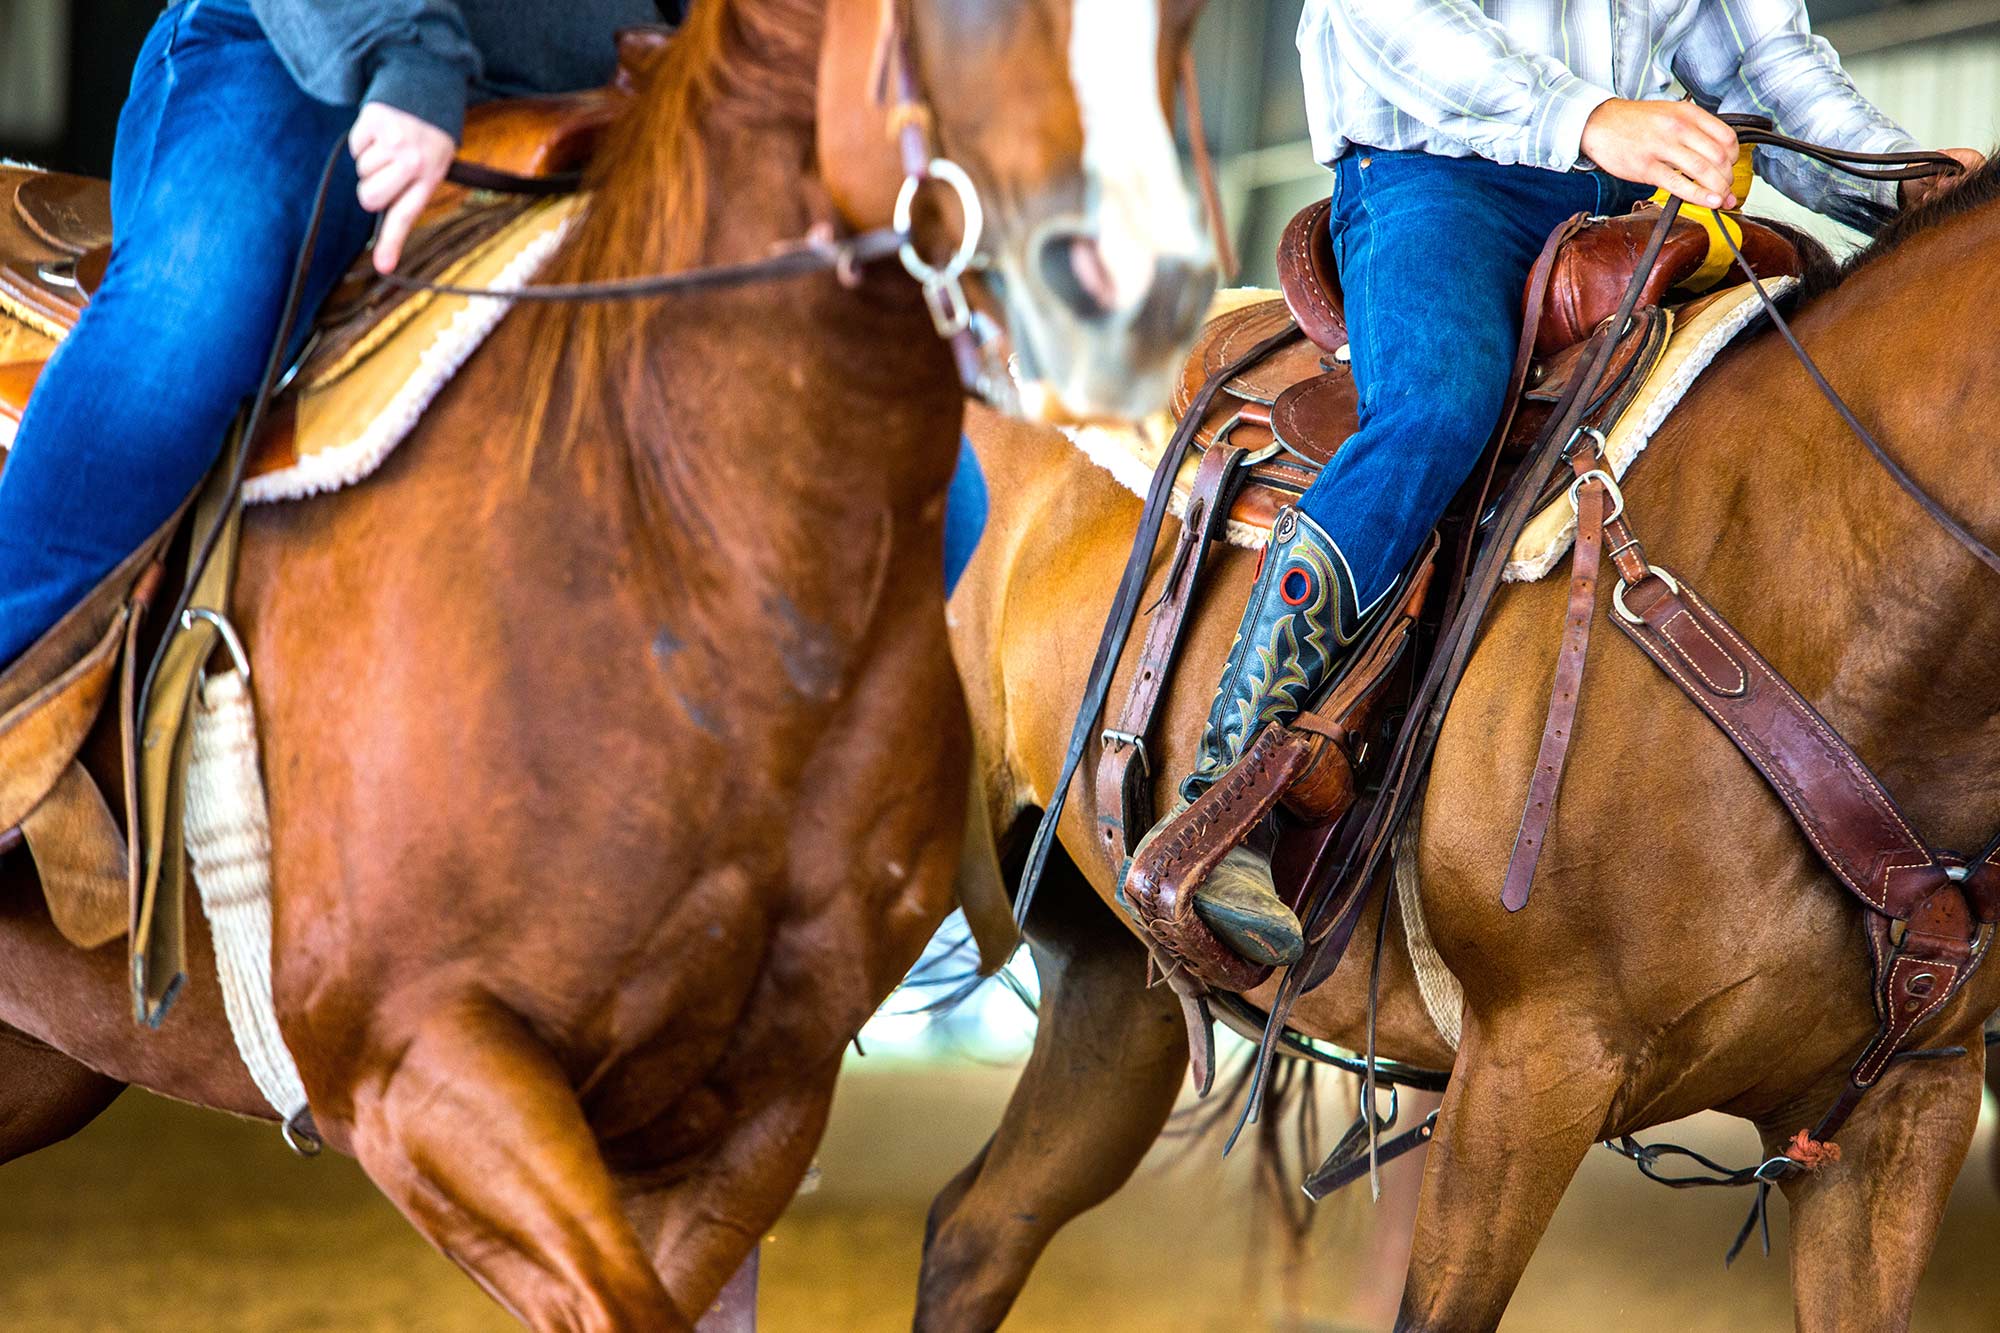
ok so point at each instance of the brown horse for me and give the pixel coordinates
(1685, 949)
(617, 771)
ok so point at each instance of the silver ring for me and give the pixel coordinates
(1618, 594)
(948, 171)
(1610, 484)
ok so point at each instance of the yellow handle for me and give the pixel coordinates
(1716, 264)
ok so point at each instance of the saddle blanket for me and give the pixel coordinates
(1131, 454)
(348, 412)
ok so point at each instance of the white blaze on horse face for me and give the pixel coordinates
(1144, 213)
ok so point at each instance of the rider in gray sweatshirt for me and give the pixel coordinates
(427, 57)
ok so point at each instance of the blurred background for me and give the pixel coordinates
(163, 1216)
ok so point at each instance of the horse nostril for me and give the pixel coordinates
(1074, 269)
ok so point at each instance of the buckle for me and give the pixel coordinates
(1112, 736)
(1610, 484)
(1618, 594)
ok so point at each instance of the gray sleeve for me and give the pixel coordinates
(414, 55)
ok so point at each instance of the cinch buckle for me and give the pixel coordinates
(1618, 594)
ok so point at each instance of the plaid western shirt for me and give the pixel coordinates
(1515, 80)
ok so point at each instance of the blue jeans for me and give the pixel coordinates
(1433, 255)
(218, 156)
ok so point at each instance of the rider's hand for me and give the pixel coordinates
(1919, 191)
(1675, 145)
(402, 159)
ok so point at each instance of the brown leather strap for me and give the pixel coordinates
(1536, 303)
(1124, 767)
(1851, 821)
(1125, 607)
(1592, 503)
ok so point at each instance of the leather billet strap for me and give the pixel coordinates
(1599, 518)
(1125, 608)
(1124, 765)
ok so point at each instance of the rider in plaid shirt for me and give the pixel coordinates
(1461, 133)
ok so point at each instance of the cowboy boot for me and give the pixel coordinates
(1300, 625)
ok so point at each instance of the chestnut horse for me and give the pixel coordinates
(1685, 950)
(617, 770)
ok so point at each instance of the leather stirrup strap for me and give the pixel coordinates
(1125, 607)
(1124, 766)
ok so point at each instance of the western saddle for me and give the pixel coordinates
(1275, 395)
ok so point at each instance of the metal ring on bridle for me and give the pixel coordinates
(1618, 594)
(953, 175)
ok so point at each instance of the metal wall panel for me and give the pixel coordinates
(34, 69)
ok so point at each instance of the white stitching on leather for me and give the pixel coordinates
(1742, 680)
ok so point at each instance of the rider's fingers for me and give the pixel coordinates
(1710, 184)
(372, 157)
(387, 183)
(397, 224)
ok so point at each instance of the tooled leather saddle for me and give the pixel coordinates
(1285, 402)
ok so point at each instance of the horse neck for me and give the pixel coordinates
(1788, 524)
(782, 447)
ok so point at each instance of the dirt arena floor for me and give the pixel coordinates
(161, 1217)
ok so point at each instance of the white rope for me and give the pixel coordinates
(228, 827)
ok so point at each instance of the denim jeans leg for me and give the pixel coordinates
(219, 155)
(1434, 253)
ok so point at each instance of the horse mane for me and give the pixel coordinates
(1974, 192)
(734, 64)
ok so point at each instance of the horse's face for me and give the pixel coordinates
(1060, 112)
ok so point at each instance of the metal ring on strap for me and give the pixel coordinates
(1610, 484)
(953, 175)
(1618, 594)
(228, 633)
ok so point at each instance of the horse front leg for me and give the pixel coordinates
(1863, 1227)
(1526, 1102)
(473, 1131)
(1109, 1060)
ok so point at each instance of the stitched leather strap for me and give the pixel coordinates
(1124, 768)
(1844, 811)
